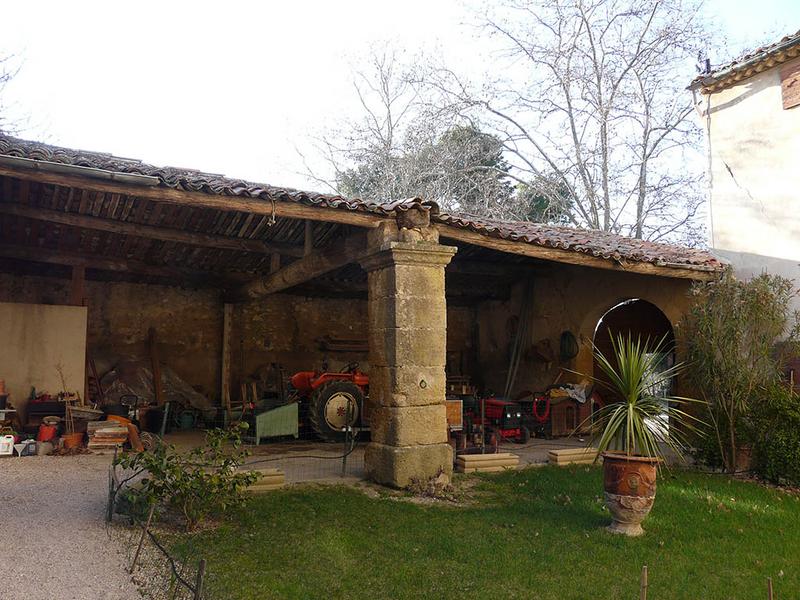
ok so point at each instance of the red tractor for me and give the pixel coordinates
(501, 418)
(331, 398)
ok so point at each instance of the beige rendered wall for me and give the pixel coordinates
(755, 180)
(36, 341)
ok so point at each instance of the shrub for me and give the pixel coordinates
(776, 421)
(730, 331)
(196, 483)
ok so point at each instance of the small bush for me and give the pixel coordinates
(195, 483)
(776, 421)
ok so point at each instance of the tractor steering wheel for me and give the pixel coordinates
(351, 367)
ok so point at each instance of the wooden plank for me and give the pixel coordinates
(481, 465)
(258, 206)
(76, 291)
(481, 457)
(486, 469)
(258, 489)
(225, 376)
(308, 238)
(116, 265)
(314, 265)
(155, 365)
(568, 256)
(572, 451)
(154, 232)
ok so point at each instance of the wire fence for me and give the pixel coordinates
(166, 564)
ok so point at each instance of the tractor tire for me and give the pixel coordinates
(328, 409)
(524, 435)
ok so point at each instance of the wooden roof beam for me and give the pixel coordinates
(114, 265)
(257, 206)
(571, 256)
(154, 232)
(319, 262)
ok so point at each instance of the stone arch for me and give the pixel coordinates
(639, 318)
(584, 362)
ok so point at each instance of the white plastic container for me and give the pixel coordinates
(6, 445)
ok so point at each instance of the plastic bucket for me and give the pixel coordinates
(72, 440)
(187, 420)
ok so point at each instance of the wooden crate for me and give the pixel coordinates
(455, 414)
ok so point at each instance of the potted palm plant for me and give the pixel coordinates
(639, 426)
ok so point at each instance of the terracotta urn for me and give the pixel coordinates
(630, 490)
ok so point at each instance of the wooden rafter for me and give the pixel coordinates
(307, 268)
(257, 206)
(570, 256)
(115, 265)
(148, 231)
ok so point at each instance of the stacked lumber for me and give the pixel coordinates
(486, 463)
(271, 479)
(572, 456)
(106, 434)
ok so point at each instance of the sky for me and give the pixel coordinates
(240, 88)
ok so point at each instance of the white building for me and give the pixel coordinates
(751, 113)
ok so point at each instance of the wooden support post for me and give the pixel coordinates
(227, 316)
(308, 240)
(156, 366)
(643, 584)
(198, 585)
(76, 292)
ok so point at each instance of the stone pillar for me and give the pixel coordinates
(407, 346)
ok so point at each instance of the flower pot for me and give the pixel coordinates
(629, 483)
(72, 440)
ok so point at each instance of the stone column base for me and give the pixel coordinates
(395, 466)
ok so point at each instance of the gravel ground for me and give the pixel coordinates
(53, 533)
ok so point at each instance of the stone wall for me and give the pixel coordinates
(286, 329)
(188, 322)
(281, 328)
(566, 298)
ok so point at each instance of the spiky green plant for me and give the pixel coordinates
(636, 422)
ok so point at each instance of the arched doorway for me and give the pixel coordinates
(641, 319)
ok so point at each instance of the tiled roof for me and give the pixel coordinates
(190, 180)
(600, 244)
(595, 243)
(749, 64)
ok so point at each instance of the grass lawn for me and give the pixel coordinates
(536, 533)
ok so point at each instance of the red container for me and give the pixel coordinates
(46, 433)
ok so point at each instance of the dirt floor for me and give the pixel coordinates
(55, 543)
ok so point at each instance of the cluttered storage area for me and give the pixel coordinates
(139, 303)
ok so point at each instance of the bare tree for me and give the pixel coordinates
(591, 104)
(403, 147)
(7, 72)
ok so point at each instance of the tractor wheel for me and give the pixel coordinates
(329, 406)
(524, 435)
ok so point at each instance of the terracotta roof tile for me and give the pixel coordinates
(601, 244)
(749, 64)
(595, 243)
